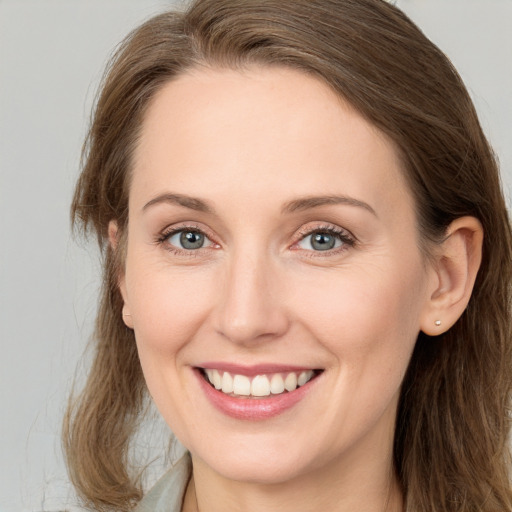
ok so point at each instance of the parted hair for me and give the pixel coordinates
(450, 446)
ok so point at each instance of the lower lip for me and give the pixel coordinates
(253, 409)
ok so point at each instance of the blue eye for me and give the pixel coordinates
(188, 239)
(321, 241)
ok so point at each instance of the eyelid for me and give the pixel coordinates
(310, 228)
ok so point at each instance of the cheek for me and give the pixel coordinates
(168, 307)
(367, 316)
(369, 322)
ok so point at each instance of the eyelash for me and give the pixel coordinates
(164, 236)
(346, 238)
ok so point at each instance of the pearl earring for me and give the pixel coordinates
(438, 322)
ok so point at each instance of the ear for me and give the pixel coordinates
(113, 238)
(454, 272)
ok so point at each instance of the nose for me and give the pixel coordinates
(251, 307)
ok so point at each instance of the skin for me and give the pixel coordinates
(247, 144)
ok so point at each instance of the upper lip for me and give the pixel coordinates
(253, 370)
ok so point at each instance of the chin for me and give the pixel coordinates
(257, 469)
(259, 459)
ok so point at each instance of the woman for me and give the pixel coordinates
(307, 266)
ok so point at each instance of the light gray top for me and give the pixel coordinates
(168, 493)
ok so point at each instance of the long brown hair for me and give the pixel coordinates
(450, 447)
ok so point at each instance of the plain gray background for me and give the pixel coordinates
(51, 57)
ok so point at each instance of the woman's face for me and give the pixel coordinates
(271, 238)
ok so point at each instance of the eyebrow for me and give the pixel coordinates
(193, 203)
(305, 203)
(301, 204)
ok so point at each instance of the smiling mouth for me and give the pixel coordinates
(258, 386)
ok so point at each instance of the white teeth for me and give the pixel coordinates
(304, 377)
(260, 385)
(227, 383)
(241, 385)
(217, 380)
(276, 384)
(290, 383)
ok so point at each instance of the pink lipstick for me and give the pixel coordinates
(255, 392)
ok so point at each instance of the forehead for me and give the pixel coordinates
(259, 130)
